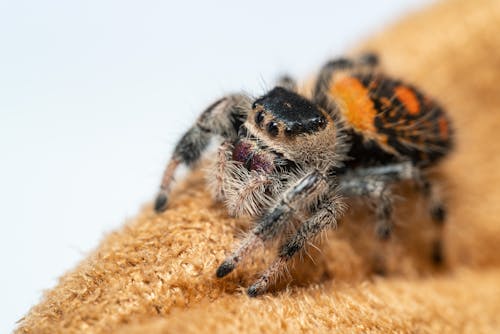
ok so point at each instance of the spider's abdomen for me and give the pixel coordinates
(389, 119)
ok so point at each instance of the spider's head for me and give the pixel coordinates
(292, 125)
(283, 113)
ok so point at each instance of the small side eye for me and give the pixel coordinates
(259, 117)
(272, 129)
(293, 129)
(321, 122)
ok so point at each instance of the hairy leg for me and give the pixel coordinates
(298, 196)
(391, 173)
(377, 190)
(435, 203)
(437, 210)
(222, 118)
(325, 217)
(407, 171)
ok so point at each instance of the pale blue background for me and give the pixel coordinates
(93, 94)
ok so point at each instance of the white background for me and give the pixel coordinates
(94, 94)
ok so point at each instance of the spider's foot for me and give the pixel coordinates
(225, 268)
(258, 287)
(161, 202)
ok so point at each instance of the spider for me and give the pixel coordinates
(285, 156)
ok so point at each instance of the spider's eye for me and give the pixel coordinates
(259, 117)
(272, 129)
(293, 129)
(320, 122)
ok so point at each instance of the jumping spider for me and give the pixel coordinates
(285, 155)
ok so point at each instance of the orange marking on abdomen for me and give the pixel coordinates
(359, 109)
(408, 99)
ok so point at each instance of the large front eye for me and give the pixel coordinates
(272, 129)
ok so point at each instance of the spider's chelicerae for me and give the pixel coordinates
(285, 155)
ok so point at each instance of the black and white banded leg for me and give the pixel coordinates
(298, 197)
(325, 217)
(430, 191)
(407, 171)
(377, 190)
(222, 118)
(437, 210)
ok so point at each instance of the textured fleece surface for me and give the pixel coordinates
(156, 274)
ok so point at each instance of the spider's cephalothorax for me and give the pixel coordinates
(285, 155)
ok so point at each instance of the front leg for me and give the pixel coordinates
(299, 196)
(325, 217)
(222, 118)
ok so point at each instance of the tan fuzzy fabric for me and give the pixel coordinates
(156, 274)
